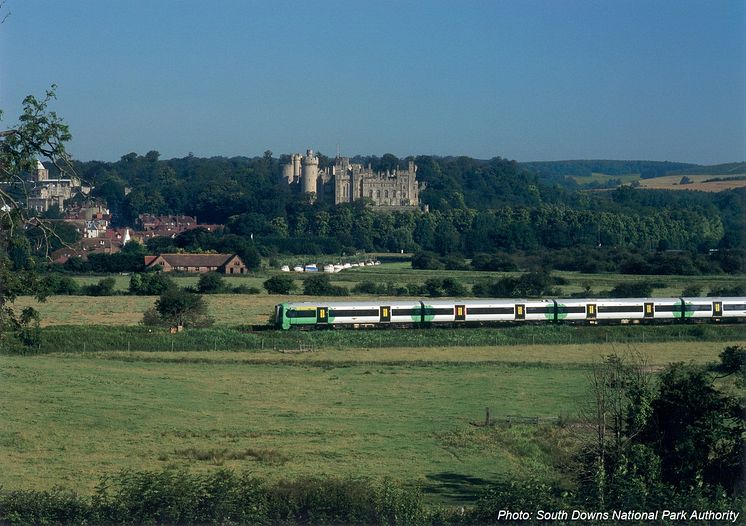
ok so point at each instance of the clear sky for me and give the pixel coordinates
(526, 80)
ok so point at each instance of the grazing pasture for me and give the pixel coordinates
(398, 412)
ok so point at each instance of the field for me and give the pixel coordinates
(604, 178)
(251, 309)
(398, 412)
(702, 183)
(104, 394)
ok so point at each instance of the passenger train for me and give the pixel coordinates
(433, 312)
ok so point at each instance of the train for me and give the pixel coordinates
(475, 312)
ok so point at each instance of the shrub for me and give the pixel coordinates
(61, 285)
(179, 307)
(151, 284)
(320, 285)
(735, 290)
(243, 289)
(279, 285)
(105, 287)
(733, 359)
(426, 261)
(211, 283)
(632, 289)
(366, 287)
(692, 291)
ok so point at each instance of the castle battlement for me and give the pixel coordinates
(346, 182)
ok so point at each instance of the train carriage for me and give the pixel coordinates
(484, 310)
(729, 308)
(535, 310)
(455, 311)
(697, 308)
(665, 308)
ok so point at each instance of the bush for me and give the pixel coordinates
(177, 307)
(632, 289)
(426, 261)
(211, 283)
(220, 497)
(151, 284)
(497, 262)
(243, 289)
(279, 285)
(692, 291)
(735, 290)
(366, 287)
(320, 285)
(105, 287)
(733, 359)
(61, 285)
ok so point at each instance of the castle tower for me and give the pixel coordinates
(310, 172)
(287, 172)
(42, 174)
(296, 166)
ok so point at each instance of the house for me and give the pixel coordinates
(223, 263)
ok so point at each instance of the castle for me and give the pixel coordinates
(346, 182)
(47, 192)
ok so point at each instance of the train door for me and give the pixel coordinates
(384, 314)
(717, 309)
(460, 313)
(649, 310)
(322, 315)
(590, 311)
(520, 312)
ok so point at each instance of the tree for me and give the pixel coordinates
(40, 133)
(697, 431)
(177, 307)
(320, 285)
(211, 283)
(279, 285)
(619, 409)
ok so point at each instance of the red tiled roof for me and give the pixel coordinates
(196, 260)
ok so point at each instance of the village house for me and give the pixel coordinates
(223, 263)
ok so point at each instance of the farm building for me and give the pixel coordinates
(223, 263)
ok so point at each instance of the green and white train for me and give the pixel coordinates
(425, 313)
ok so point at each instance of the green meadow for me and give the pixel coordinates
(404, 413)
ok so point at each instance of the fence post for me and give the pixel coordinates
(128, 346)
(172, 344)
(487, 416)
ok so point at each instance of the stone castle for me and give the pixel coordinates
(345, 182)
(47, 192)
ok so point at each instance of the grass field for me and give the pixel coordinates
(396, 412)
(604, 178)
(243, 309)
(702, 183)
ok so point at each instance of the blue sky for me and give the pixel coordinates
(526, 80)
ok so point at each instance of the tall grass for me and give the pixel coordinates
(72, 339)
